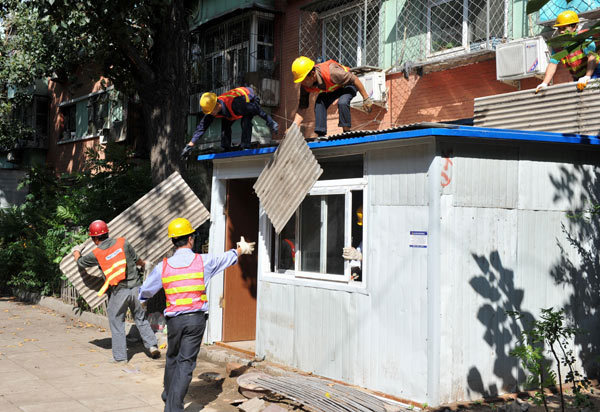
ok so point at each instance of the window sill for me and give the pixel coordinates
(78, 139)
(351, 287)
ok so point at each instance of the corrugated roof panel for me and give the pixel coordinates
(559, 108)
(144, 225)
(287, 178)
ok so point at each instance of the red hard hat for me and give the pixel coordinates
(98, 227)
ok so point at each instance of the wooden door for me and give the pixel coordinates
(239, 295)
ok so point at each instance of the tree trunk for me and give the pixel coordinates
(165, 98)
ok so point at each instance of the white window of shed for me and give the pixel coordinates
(312, 242)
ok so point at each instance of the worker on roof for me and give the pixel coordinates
(238, 103)
(185, 277)
(333, 82)
(582, 61)
(117, 260)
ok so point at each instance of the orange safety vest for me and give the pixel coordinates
(326, 76)
(113, 263)
(576, 61)
(228, 97)
(184, 287)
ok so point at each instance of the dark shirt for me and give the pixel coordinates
(132, 278)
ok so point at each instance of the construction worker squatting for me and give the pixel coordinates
(185, 276)
(117, 260)
(333, 82)
(238, 103)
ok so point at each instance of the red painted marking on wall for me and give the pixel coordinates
(447, 164)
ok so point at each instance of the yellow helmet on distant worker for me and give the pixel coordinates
(208, 101)
(566, 18)
(359, 216)
(180, 227)
(301, 67)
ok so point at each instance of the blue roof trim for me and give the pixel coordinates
(461, 131)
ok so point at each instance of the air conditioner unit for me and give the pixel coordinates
(521, 58)
(374, 83)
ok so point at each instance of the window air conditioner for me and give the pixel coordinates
(521, 58)
(374, 83)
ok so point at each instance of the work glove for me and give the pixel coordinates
(367, 104)
(350, 253)
(274, 127)
(247, 247)
(186, 152)
(77, 248)
(582, 82)
(541, 86)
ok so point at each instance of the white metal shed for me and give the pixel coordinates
(460, 224)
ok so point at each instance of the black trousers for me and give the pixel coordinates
(184, 338)
(324, 100)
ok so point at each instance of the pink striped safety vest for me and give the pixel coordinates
(184, 287)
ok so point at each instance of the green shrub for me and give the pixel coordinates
(35, 236)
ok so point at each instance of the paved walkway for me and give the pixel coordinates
(50, 362)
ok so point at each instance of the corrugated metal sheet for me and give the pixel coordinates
(287, 178)
(144, 225)
(559, 108)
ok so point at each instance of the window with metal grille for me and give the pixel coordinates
(345, 31)
(223, 53)
(455, 25)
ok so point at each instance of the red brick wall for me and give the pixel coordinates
(70, 156)
(434, 97)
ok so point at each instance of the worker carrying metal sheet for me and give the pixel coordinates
(580, 58)
(238, 103)
(333, 82)
(118, 261)
(185, 277)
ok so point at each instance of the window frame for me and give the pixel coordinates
(323, 188)
(466, 44)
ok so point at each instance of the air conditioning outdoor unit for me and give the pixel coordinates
(521, 58)
(374, 83)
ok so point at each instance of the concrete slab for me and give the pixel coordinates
(71, 406)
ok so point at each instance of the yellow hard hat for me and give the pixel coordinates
(566, 18)
(359, 216)
(208, 101)
(301, 67)
(180, 227)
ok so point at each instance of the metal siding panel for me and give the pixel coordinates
(547, 176)
(144, 226)
(287, 178)
(559, 108)
(277, 321)
(485, 176)
(399, 176)
(479, 247)
(397, 279)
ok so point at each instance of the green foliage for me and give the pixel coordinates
(35, 236)
(550, 334)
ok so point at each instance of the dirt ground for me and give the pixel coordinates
(525, 403)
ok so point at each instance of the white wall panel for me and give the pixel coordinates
(398, 176)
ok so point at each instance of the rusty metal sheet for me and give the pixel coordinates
(560, 108)
(144, 225)
(287, 178)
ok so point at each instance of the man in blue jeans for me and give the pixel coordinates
(185, 276)
(239, 103)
